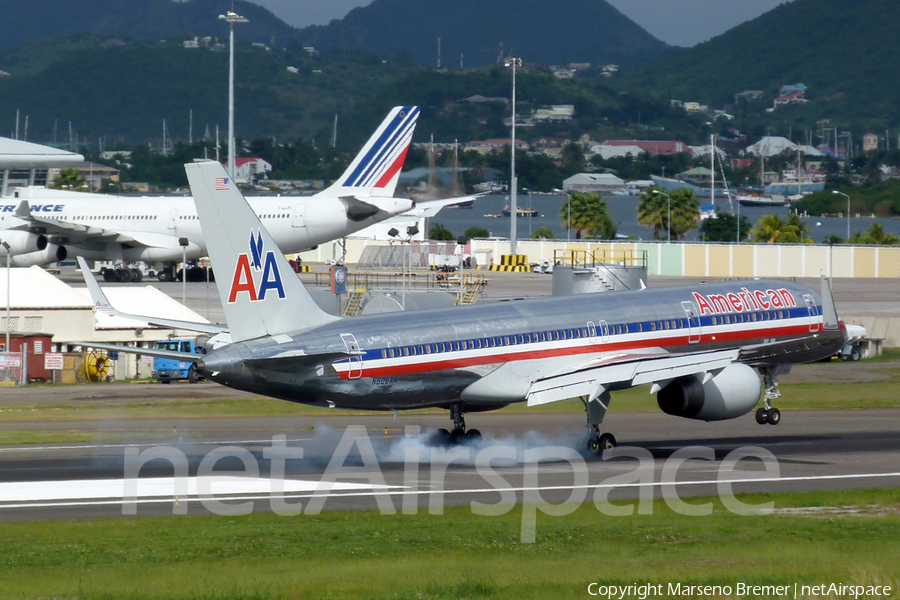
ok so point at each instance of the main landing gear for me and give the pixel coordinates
(767, 413)
(458, 435)
(596, 409)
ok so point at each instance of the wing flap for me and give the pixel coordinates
(592, 378)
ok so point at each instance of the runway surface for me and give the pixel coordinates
(523, 457)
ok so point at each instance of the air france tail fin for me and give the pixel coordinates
(376, 169)
(260, 293)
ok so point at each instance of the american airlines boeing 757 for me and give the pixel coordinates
(42, 226)
(698, 346)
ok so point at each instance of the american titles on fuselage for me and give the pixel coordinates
(744, 301)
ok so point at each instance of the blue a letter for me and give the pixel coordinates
(275, 283)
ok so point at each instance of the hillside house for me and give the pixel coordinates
(248, 169)
(870, 142)
(598, 183)
(652, 147)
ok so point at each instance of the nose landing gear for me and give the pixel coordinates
(767, 413)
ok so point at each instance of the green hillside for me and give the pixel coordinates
(123, 93)
(845, 52)
(25, 22)
(584, 31)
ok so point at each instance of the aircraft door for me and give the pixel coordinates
(693, 323)
(604, 332)
(173, 218)
(813, 311)
(353, 349)
(592, 332)
(298, 218)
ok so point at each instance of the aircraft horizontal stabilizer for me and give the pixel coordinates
(185, 356)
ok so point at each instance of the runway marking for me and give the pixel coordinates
(161, 487)
(366, 490)
(189, 442)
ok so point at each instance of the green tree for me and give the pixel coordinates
(439, 232)
(724, 228)
(573, 157)
(874, 235)
(542, 233)
(656, 206)
(69, 179)
(771, 229)
(587, 214)
(477, 232)
(802, 228)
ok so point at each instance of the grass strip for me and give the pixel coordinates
(456, 555)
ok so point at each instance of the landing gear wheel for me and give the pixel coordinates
(773, 416)
(164, 276)
(441, 437)
(123, 275)
(607, 441)
(593, 445)
(193, 377)
(457, 436)
(109, 275)
(473, 436)
(761, 416)
(136, 276)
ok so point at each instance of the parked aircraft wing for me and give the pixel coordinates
(102, 304)
(593, 377)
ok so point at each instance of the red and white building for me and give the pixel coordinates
(248, 169)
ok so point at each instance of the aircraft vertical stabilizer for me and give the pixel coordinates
(260, 293)
(376, 169)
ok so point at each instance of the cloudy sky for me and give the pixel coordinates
(679, 22)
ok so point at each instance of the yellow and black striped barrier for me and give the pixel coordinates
(514, 263)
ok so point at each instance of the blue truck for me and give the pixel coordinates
(166, 370)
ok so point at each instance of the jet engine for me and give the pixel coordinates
(51, 253)
(22, 242)
(732, 393)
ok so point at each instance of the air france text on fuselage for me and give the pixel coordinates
(8, 208)
(744, 301)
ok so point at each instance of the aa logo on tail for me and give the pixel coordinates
(257, 265)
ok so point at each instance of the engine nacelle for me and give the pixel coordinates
(52, 253)
(22, 242)
(732, 393)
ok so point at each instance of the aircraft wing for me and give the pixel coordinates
(591, 378)
(429, 208)
(185, 356)
(102, 304)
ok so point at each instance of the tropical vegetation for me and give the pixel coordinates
(723, 227)
(772, 229)
(675, 212)
(69, 179)
(587, 215)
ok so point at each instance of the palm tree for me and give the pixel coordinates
(655, 206)
(439, 232)
(685, 212)
(771, 229)
(542, 233)
(802, 228)
(653, 210)
(587, 214)
(69, 179)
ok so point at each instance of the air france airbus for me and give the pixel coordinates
(699, 347)
(42, 226)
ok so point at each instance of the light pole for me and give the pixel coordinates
(6, 348)
(669, 217)
(513, 62)
(231, 18)
(848, 211)
(462, 241)
(183, 242)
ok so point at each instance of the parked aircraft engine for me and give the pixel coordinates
(22, 242)
(52, 253)
(732, 393)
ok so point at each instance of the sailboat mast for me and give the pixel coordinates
(712, 167)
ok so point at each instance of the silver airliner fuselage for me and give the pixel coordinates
(436, 358)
